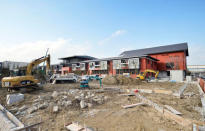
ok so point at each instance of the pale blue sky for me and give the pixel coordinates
(101, 28)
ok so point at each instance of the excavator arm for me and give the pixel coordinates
(37, 62)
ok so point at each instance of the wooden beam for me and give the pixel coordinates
(167, 92)
(133, 105)
(173, 110)
(127, 94)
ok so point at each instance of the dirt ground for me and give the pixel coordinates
(109, 115)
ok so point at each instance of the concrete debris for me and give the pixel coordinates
(198, 109)
(14, 98)
(145, 91)
(55, 109)
(77, 97)
(198, 128)
(83, 104)
(15, 109)
(55, 94)
(23, 108)
(43, 106)
(90, 105)
(189, 94)
(66, 103)
(76, 127)
(65, 97)
(8, 121)
(32, 109)
(98, 100)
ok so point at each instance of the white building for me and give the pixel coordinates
(197, 70)
(11, 65)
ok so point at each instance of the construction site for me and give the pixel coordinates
(148, 89)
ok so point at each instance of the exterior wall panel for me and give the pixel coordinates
(178, 58)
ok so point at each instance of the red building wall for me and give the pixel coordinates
(178, 58)
(147, 64)
(65, 70)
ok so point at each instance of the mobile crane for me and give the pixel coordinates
(12, 83)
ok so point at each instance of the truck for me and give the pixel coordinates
(57, 78)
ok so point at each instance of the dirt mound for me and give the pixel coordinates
(120, 80)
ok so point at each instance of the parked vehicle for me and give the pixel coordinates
(57, 78)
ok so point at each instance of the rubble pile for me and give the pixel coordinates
(120, 80)
(56, 101)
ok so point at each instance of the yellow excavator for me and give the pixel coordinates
(142, 75)
(28, 80)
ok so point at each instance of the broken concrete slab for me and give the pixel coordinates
(43, 106)
(90, 105)
(8, 121)
(55, 94)
(55, 109)
(83, 104)
(76, 127)
(32, 109)
(23, 108)
(14, 98)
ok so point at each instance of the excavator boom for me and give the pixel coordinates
(37, 62)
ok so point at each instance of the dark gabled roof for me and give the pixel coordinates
(79, 56)
(157, 50)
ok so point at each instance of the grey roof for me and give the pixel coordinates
(79, 56)
(157, 50)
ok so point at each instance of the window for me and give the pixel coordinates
(168, 73)
(170, 65)
(97, 63)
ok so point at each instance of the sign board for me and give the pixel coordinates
(82, 66)
(116, 64)
(91, 65)
(103, 65)
(73, 67)
(133, 63)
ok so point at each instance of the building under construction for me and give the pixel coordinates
(162, 58)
